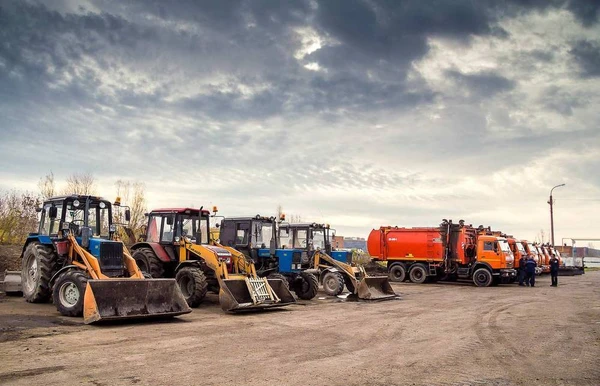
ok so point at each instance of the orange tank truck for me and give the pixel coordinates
(453, 251)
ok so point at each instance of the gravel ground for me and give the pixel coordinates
(438, 334)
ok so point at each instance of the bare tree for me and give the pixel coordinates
(47, 186)
(18, 216)
(132, 194)
(295, 218)
(80, 183)
(279, 211)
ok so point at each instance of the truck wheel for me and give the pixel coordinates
(148, 262)
(281, 277)
(38, 267)
(192, 282)
(482, 277)
(397, 273)
(306, 286)
(418, 274)
(333, 283)
(68, 292)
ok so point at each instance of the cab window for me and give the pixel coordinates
(488, 245)
(50, 226)
(285, 238)
(241, 234)
(300, 239)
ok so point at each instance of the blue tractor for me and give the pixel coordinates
(72, 254)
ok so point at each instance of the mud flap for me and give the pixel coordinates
(375, 288)
(115, 299)
(12, 282)
(234, 295)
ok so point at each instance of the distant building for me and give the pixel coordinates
(338, 242)
(355, 243)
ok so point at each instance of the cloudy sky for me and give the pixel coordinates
(357, 113)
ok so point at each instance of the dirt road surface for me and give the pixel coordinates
(438, 334)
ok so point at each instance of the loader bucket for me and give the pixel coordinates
(375, 288)
(116, 299)
(234, 295)
(12, 282)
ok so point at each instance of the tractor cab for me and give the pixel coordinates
(253, 236)
(168, 226)
(90, 220)
(310, 237)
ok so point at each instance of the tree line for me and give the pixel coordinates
(18, 210)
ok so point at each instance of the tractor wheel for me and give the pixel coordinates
(482, 277)
(192, 282)
(306, 286)
(38, 267)
(68, 292)
(397, 273)
(333, 283)
(418, 273)
(148, 262)
(281, 277)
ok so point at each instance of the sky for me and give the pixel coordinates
(355, 113)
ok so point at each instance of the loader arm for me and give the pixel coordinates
(209, 256)
(323, 260)
(240, 262)
(356, 279)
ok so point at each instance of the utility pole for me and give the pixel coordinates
(552, 214)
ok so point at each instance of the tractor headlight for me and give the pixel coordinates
(226, 260)
(65, 226)
(177, 238)
(76, 203)
(112, 228)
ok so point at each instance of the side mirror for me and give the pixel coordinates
(53, 212)
(38, 209)
(127, 215)
(169, 220)
(86, 233)
(496, 247)
(217, 225)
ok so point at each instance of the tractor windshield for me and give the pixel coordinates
(98, 216)
(263, 233)
(300, 238)
(318, 238)
(285, 238)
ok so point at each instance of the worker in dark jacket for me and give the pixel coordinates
(530, 265)
(554, 271)
(522, 261)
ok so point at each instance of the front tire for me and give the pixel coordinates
(333, 283)
(68, 292)
(482, 277)
(306, 286)
(148, 262)
(281, 277)
(397, 273)
(418, 274)
(192, 282)
(38, 266)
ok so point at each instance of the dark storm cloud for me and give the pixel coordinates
(562, 101)
(482, 84)
(587, 55)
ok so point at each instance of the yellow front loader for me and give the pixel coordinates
(111, 297)
(240, 288)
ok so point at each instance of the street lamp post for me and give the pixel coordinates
(552, 214)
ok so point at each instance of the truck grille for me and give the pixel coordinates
(111, 259)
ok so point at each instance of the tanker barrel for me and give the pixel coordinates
(116, 299)
(234, 294)
(375, 288)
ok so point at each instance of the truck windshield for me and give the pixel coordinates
(520, 247)
(533, 249)
(504, 245)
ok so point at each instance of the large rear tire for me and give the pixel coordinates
(482, 277)
(192, 282)
(281, 277)
(68, 292)
(306, 286)
(333, 283)
(397, 273)
(418, 273)
(38, 266)
(148, 262)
